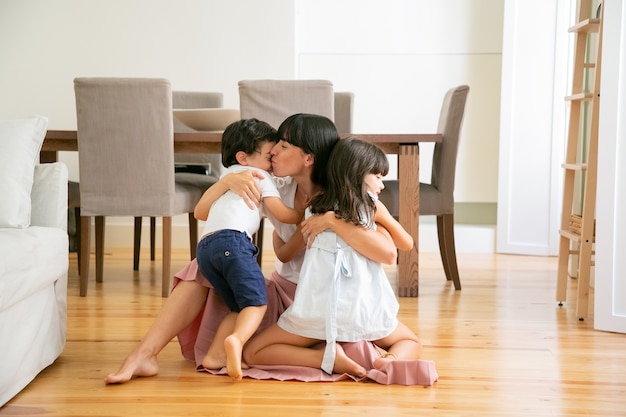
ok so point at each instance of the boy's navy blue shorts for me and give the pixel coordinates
(227, 258)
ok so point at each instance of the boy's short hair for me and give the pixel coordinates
(245, 135)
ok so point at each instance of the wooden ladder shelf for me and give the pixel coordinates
(581, 156)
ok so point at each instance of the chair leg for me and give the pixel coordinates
(193, 235)
(442, 246)
(445, 232)
(78, 239)
(167, 256)
(152, 237)
(83, 265)
(99, 248)
(136, 243)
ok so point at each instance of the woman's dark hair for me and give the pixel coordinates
(346, 193)
(315, 135)
(245, 135)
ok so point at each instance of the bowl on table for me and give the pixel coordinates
(213, 119)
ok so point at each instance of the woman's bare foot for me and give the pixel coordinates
(233, 348)
(135, 365)
(214, 360)
(345, 365)
(383, 359)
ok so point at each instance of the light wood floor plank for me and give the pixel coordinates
(502, 347)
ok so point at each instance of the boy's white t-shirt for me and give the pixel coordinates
(230, 211)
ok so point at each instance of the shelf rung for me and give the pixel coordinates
(574, 237)
(579, 96)
(574, 167)
(570, 235)
(576, 252)
(586, 26)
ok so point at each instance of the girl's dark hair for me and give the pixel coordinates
(346, 193)
(245, 135)
(314, 134)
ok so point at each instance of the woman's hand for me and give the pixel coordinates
(286, 251)
(377, 245)
(315, 225)
(245, 185)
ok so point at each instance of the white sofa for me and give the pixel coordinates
(33, 259)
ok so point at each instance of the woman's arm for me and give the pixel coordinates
(243, 183)
(286, 251)
(376, 245)
(281, 212)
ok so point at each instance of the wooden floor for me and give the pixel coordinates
(502, 347)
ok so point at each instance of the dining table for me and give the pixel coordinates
(404, 145)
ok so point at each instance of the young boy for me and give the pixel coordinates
(226, 255)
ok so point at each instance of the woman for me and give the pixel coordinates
(193, 311)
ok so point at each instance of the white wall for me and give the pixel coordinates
(398, 57)
(196, 44)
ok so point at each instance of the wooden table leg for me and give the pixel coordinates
(408, 182)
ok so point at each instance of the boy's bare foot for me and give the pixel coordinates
(233, 347)
(135, 365)
(383, 359)
(345, 365)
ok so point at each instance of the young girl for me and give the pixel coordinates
(342, 295)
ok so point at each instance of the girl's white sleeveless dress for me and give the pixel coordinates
(342, 296)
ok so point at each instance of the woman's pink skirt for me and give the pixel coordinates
(196, 338)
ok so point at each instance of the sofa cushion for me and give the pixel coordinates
(32, 259)
(20, 143)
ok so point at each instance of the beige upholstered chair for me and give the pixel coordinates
(274, 100)
(437, 197)
(126, 159)
(344, 110)
(201, 170)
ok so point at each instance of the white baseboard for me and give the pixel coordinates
(468, 238)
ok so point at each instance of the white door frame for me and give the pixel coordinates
(533, 123)
(610, 281)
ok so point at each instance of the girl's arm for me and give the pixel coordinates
(286, 251)
(401, 238)
(243, 183)
(282, 213)
(376, 245)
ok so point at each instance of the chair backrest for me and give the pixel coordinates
(274, 100)
(197, 99)
(125, 146)
(344, 109)
(445, 152)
